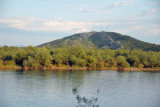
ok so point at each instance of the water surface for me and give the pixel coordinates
(42, 88)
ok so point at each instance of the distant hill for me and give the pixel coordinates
(109, 40)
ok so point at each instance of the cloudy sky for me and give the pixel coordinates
(32, 22)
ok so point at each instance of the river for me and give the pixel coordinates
(53, 88)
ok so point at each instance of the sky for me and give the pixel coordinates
(33, 22)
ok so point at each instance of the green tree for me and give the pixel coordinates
(133, 60)
(121, 61)
(30, 62)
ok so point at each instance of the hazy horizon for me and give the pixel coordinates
(34, 22)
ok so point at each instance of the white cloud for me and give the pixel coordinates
(133, 26)
(155, 30)
(123, 3)
(109, 12)
(101, 10)
(140, 30)
(59, 25)
(114, 4)
(154, 3)
(55, 25)
(153, 10)
(80, 9)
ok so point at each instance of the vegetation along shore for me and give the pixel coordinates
(77, 57)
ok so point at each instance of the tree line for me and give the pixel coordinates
(77, 56)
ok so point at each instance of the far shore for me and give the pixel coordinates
(84, 68)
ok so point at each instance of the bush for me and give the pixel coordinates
(100, 65)
(140, 65)
(30, 62)
(92, 65)
(9, 63)
(1, 62)
(121, 62)
(77, 56)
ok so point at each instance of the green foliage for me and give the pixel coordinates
(81, 62)
(140, 65)
(100, 65)
(133, 60)
(30, 62)
(1, 62)
(121, 62)
(9, 63)
(34, 57)
(43, 57)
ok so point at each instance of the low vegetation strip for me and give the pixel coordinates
(77, 57)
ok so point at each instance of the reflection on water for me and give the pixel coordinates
(53, 88)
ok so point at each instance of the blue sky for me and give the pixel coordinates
(33, 22)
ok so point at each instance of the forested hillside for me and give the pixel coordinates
(110, 40)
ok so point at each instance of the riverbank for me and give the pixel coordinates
(84, 68)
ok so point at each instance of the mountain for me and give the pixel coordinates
(109, 40)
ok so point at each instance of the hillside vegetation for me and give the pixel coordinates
(110, 40)
(34, 57)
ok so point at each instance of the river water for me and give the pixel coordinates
(53, 88)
